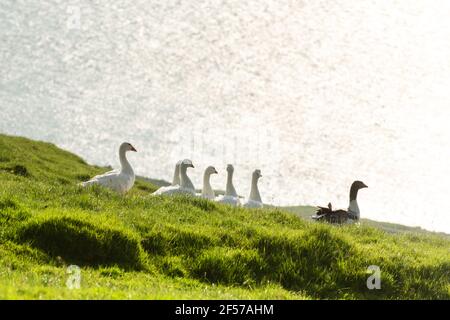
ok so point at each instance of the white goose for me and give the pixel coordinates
(176, 182)
(185, 187)
(207, 191)
(231, 197)
(254, 201)
(118, 180)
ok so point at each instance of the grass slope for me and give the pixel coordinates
(307, 211)
(137, 246)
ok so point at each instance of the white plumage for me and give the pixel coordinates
(186, 186)
(207, 191)
(118, 180)
(254, 200)
(231, 197)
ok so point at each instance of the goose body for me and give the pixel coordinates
(185, 187)
(118, 180)
(173, 190)
(253, 204)
(207, 191)
(231, 197)
(254, 200)
(350, 215)
(229, 200)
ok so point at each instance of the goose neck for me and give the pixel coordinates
(354, 208)
(231, 191)
(176, 176)
(126, 167)
(206, 179)
(254, 193)
(184, 179)
(353, 193)
(207, 189)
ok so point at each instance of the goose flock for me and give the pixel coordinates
(122, 181)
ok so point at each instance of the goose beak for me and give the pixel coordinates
(364, 186)
(192, 166)
(133, 149)
(215, 171)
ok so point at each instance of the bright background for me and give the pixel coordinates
(315, 93)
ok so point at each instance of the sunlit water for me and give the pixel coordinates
(315, 93)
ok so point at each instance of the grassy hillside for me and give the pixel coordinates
(307, 211)
(138, 246)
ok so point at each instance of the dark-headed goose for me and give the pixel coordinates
(342, 216)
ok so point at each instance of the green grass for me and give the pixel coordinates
(142, 247)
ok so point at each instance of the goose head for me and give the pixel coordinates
(257, 174)
(359, 185)
(356, 186)
(127, 147)
(230, 168)
(187, 163)
(210, 170)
